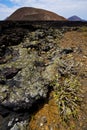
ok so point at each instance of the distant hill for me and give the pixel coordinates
(30, 13)
(75, 18)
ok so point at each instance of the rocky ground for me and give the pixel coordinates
(43, 78)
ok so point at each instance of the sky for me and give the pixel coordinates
(66, 8)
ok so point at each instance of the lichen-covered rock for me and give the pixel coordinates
(15, 121)
(20, 125)
(28, 68)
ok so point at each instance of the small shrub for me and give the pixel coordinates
(68, 98)
(82, 29)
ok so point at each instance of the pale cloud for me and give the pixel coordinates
(5, 11)
(65, 8)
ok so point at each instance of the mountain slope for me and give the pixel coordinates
(29, 13)
(75, 18)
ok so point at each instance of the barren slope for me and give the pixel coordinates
(28, 13)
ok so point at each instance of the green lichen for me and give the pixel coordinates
(3, 92)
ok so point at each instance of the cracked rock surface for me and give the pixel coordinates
(28, 63)
(26, 75)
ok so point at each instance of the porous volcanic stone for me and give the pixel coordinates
(29, 67)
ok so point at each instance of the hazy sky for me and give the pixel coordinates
(65, 8)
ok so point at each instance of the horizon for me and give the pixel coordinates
(63, 8)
